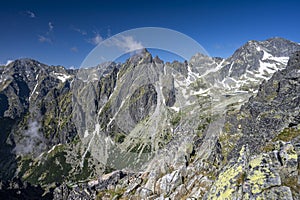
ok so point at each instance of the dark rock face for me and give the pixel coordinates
(180, 67)
(16, 189)
(169, 95)
(275, 107)
(142, 102)
(247, 57)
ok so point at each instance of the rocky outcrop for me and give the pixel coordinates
(258, 176)
(275, 107)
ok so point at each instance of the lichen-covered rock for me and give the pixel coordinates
(260, 176)
(281, 192)
(230, 180)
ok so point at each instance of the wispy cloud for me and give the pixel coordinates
(218, 46)
(74, 49)
(30, 14)
(51, 27)
(78, 30)
(127, 43)
(32, 141)
(47, 36)
(96, 39)
(43, 39)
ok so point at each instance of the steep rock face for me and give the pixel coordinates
(29, 90)
(262, 124)
(275, 107)
(143, 102)
(34, 100)
(253, 54)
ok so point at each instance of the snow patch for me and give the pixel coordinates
(177, 109)
(283, 60)
(53, 148)
(199, 92)
(192, 76)
(33, 91)
(62, 77)
(86, 133)
(8, 62)
(215, 69)
(95, 132)
(230, 69)
(267, 56)
(266, 68)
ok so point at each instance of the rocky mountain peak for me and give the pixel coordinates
(142, 55)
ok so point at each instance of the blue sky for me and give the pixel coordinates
(64, 32)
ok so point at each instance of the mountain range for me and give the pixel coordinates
(207, 128)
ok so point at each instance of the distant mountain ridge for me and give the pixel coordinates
(64, 126)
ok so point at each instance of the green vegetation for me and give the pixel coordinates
(65, 101)
(204, 122)
(164, 138)
(241, 179)
(228, 142)
(227, 127)
(138, 94)
(140, 146)
(86, 170)
(198, 84)
(105, 113)
(292, 183)
(176, 119)
(49, 124)
(111, 194)
(108, 169)
(119, 137)
(53, 170)
(287, 134)
(268, 147)
(24, 164)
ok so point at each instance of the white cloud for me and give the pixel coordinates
(51, 27)
(32, 141)
(96, 39)
(47, 36)
(74, 49)
(43, 39)
(30, 14)
(82, 32)
(127, 43)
